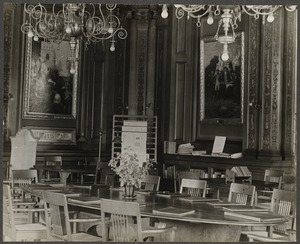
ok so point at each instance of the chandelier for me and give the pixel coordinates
(71, 21)
(229, 15)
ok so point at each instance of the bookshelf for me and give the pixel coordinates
(151, 132)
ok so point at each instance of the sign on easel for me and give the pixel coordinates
(134, 138)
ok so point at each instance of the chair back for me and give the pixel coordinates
(240, 193)
(195, 188)
(24, 177)
(53, 161)
(283, 203)
(150, 182)
(125, 220)
(274, 176)
(23, 150)
(8, 214)
(187, 175)
(58, 225)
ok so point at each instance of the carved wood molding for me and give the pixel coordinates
(253, 80)
(8, 28)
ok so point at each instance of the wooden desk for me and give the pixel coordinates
(206, 224)
(63, 172)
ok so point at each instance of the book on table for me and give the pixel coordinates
(172, 211)
(171, 195)
(85, 200)
(198, 199)
(256, 216)
(224, 203)
(244, 208)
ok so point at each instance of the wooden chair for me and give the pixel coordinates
(263, 197)
(59, 223)
(15, 228)
(196, 188)
(88, 162)
(239, 193)
(54, 161)
(150, 182)
(282, 203)
(187, 175)
(126, 223)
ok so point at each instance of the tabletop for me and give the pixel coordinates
(203, 211)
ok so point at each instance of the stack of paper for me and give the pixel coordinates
(185, 148)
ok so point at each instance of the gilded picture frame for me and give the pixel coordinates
(50, 90)
(222, 82)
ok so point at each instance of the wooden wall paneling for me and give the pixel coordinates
(271, 88)
(14, 46)
(162, 82)
(150, 89)
(132, 90)
(181, 81)
(83, 93)
(289, 88)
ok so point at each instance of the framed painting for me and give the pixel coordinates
(50, 89)
(54, 136)
(222, 82)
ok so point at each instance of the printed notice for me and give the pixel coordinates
(219, 144)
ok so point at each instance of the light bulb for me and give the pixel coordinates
(112, 47)
(36, 38)
(270, 18)
(68, 29)
(225, 56)
(210, 20)
(110, 29)
(72, 70)
(164, 13)
(30, 34)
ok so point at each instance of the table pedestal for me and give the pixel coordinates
(196, 232)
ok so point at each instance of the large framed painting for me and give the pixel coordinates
(222, 82)
(50, 89)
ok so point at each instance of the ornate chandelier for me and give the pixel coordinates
(71, 21)
(229, 16)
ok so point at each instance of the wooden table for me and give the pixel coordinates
(63, 172)
(206, 224)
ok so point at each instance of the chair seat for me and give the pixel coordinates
(266, 205)
(85, 237)
(31, 227)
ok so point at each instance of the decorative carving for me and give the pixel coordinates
(267, 64)
(57, 136)
(276, 83)
(8, 27)
(254, 26)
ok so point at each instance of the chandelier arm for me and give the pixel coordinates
(217, 33)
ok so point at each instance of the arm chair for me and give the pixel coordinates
(187, 175)
(126, 223)
(196, 188)
(240, 193)
(282, 203)
(14, 226)
(54, 161)
(263, 197)
(22, 177)
(59, 223)
(150, 182)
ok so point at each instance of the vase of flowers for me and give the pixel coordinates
(130, 170)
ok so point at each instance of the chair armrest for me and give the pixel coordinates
(253, 237)
(84, 220)
(24, 203)
(30, 209)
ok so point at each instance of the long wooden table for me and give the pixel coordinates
(208, 223)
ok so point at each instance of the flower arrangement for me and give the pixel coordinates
(127, 166)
